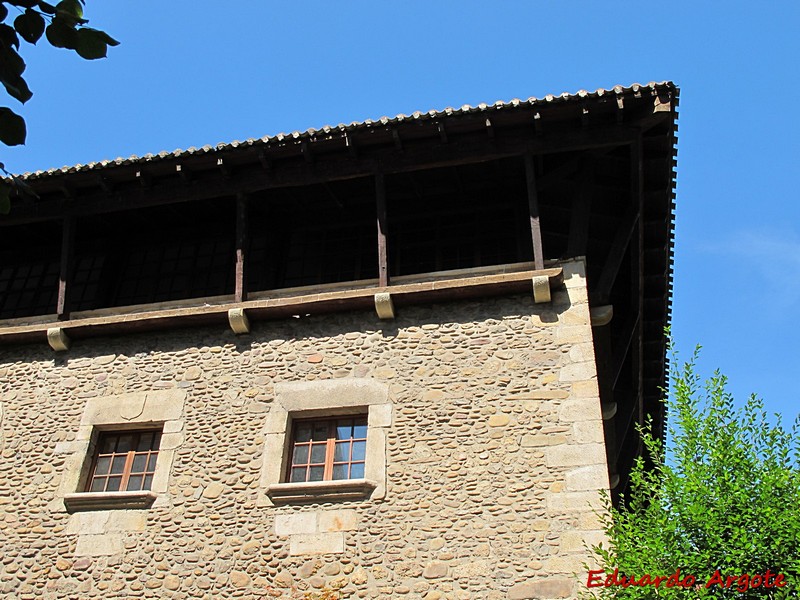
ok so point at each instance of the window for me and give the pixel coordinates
(326, 441)
(328, 449)
(124, 461)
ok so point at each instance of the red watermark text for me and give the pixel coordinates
(741, 582)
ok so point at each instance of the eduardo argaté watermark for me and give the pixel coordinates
(741, 582)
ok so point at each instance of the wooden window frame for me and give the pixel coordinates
(127, 470)
(360, 419)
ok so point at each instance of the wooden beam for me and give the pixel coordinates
(240, 289)
(602, 291)
(65, 273)
(581, 209)
(265, 160)
(533, 211)
(380, 201)
(224, 168)
(442, 132)
(623, 346)
(184, 172)
(398, 143)
(637, 193)
(305, 150)
(210, 184)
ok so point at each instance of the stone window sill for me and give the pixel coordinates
(84, 501)
(318, 491)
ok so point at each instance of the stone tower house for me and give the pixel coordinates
(392, 359)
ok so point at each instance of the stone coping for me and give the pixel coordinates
(317, 491)
(460, 286)
(83, 501)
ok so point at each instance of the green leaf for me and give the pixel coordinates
(8, 37)
(70, 9)
(23, 3)
(61, 35)
(11, 68)
(90, 45)
(30, 26)
(103, 36)
(46, 8)
(17, 88)
(12, 128)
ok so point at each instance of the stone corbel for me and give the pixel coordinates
(384, 305)
(541, 289)
(58, 339)
(542, 279)
(238, 320)
(601, 315)
(609, 409)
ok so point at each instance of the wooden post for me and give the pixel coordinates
(65, 274)
(380, 198)
(637, 196)
(533, 209)
(240, 290)
(581, 208)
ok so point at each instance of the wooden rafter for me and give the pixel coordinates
(211, 184)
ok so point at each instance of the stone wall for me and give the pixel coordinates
(493, 449)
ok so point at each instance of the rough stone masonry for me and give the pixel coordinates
(493, 459)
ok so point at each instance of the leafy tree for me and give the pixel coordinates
(722, 501)
(63, 26)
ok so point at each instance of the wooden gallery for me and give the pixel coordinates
(399, 358)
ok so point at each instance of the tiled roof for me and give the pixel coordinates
(369, 123)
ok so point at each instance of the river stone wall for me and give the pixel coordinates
(494, 459)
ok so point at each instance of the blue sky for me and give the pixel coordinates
(196, 73)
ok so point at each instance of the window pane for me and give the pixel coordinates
(318, 453)
(298, 474)
(357, 471)
(135, 483)
(342, 452)
(340, 471)
(344, 430)
(151, 463)
(300, 455)
(103, 463)
(113, 484)
(97, 484)
(119, 464)
(320, 431)
(359, 450)
(107, 444)
(316, 473)
(148, 481)
(139, 463)
(145, 442)
(360, 431)
(125, 443)
(303, 432)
